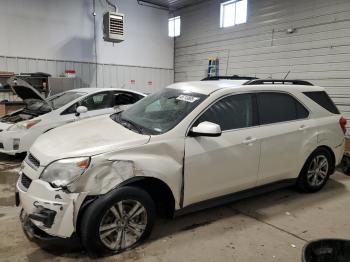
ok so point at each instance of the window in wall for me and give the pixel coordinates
(174, 26)
(233, 12)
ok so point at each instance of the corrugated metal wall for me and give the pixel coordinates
(145, 79)
(318, 51)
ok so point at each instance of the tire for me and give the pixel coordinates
(315, 172)
(104, 230)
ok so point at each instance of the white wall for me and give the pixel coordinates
(318, 51)
(51, 36)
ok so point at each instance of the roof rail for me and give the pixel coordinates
(278, 81)
(234, 77)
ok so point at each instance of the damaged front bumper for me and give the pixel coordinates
(31, 231)
(51, 210)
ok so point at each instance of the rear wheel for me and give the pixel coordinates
(117, 221)
(315, 172)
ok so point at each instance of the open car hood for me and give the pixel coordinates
(23, 89)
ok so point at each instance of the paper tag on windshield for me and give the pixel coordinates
(186, 98)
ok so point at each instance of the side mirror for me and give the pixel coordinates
(206, 129)
(80, 110)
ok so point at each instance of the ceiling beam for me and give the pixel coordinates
(153, 4)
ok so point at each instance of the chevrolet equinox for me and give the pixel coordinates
(186, 147)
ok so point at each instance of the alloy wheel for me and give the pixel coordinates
(318, 170)
(123, 225)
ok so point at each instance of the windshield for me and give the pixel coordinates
(161, 111)
(63, 99)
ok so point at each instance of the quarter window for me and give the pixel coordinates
(322, 99)
(279, 107)
(231, 112)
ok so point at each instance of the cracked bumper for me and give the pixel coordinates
(50, 209)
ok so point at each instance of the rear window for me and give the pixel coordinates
(321, 98)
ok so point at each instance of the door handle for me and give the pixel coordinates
(302, 127)
(249, 140)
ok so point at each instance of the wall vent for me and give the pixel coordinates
(113, 27)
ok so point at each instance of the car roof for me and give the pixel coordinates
(99, 89)
(208, 87)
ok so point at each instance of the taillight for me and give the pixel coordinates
(342, 123)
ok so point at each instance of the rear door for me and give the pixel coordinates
(286, 136)
(216, 166)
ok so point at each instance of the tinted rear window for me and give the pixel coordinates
(321, 98)
(279, 107)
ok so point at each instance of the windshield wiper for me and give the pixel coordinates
(131, 123)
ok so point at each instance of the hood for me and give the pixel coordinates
(4, 126)
(23, 89)
(85, 138)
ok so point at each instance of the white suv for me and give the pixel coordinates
(189, 146)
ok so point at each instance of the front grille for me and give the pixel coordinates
(32, 161)
(25, 181)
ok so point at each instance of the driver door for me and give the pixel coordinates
(217, 166)
(97, 104)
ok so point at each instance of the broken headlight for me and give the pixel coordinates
(65, 171)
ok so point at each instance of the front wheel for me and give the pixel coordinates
(315, 172)
(117, 221)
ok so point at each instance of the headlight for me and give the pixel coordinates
(65, 171)
(24, 125)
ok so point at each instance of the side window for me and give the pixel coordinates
(279, 107)
(125, 98)
(98, 101)
(231, 112)
(301, 111)
(70, 110)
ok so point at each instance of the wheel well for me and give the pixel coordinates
(159, 192)
(157, 189)
(331, 153)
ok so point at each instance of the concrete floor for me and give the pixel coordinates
(270, 227)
